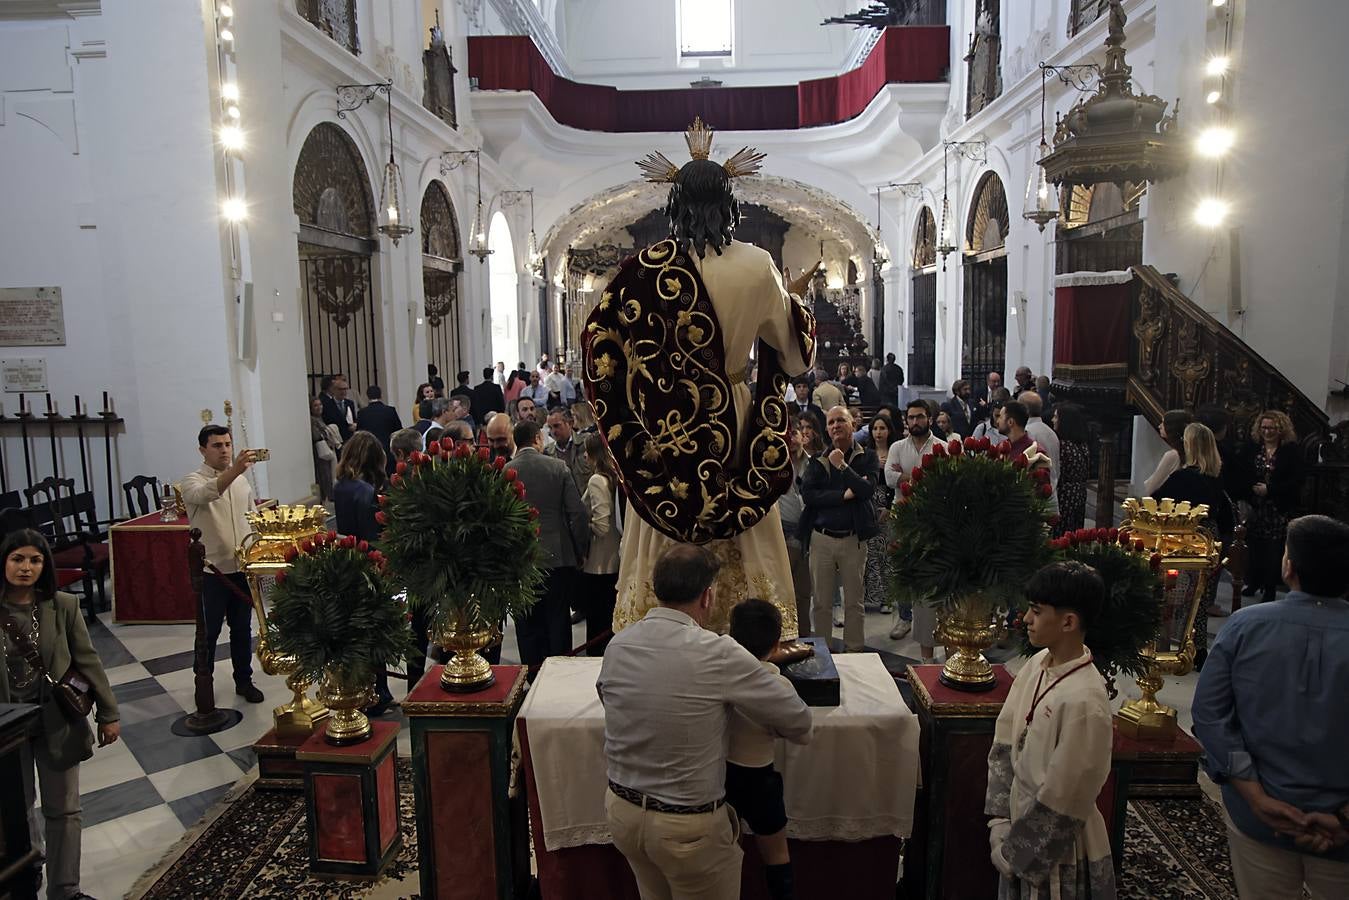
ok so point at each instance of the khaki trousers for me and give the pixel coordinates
(677, 857)
(836, 562)
(1263, 872)
(800, 583)
(53, 825)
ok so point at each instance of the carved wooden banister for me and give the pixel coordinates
(1180, 357)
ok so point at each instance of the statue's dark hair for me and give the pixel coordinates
(702, 207)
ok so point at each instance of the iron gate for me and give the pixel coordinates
(984, 331)
(341, 332)
(923, 354)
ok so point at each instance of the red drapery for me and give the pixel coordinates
(513, 63)
(1091, 324)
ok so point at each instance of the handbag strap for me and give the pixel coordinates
(229, 582)
(24, 645)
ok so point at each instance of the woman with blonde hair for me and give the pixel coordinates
(1275, 495)
(599, 573)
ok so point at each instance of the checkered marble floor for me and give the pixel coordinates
(141, 794)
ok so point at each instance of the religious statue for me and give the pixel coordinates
(667, 355)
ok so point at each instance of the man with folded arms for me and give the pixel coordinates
(668, 687)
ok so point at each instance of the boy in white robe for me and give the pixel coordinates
(1051, 751)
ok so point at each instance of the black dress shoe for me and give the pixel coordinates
(249, 692)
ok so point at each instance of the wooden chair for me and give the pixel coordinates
(71, 524)
(143, 496)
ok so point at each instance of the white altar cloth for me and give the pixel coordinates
(855, 780)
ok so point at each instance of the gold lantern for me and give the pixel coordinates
(261, 556)
(1190, 557)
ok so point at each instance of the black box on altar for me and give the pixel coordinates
(815, 677)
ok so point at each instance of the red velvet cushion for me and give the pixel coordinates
(73, 557)
(66, 577)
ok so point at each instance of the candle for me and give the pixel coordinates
(1172, 576)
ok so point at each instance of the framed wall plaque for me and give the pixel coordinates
(32, 317)
(24, 376)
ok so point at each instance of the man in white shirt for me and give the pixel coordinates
(216, 498)
(668, 687)
(906, 455)
(1041, 432)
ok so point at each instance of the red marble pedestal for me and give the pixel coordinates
(472, 835)
(351, 802)
(947, 855)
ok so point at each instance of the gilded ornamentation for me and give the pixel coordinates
(1148, 328)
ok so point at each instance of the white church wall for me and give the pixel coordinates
(633, 43)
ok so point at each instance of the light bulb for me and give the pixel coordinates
(393, 214)
(227, 11)
(1211, 212)
(230, 91)
(232, 111)
(1217, 65)
(1219, 2)
(233, 209)
(227, 35)
(1215, 141)
(1213, 96)
(232, 137)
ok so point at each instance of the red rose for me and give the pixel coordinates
(374, 557)
(1082, 534)
(533, 512)
(954, 447)
(984, 444)
(380, 499)
(520, 489)
(510, 475)
(1155, 561)
(433, 447)
(363, 546)
(307, 546)
(1055, 519)
(1046, 491)
(280, 577)
(971, 444)
(1020, 462)
(484, 454)
(445, 456)
(381, 518)
(906, 488)
(332, 535)
(1138, 546)
(396, 480)
(401, 467)
(1040, 475)
(347, 543)
(1112, 534)
(499, 463)
(290, 554)
(319, 541)
(916, 474)
(416, 457)
(928, 459)
(463, 451)
(939, 449)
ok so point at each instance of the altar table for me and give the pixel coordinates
(849, 792)
(150, 581)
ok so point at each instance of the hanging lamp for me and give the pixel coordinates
(1041, 205)
(392, 215)
(477, 241)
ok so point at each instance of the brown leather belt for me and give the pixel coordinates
(637, 798)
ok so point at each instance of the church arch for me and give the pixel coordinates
(332, 196)
(441, 265)
(984, 314)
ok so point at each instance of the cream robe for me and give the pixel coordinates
(751, 302)
(1046, 776)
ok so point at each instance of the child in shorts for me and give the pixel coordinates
(753, 786)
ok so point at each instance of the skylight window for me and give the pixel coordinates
(705, 28)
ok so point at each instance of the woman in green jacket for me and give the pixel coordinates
(56, 746)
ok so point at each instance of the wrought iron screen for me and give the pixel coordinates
(923, 353)
(441, 263)
(341, 323)
(984, 330)
(335, 18)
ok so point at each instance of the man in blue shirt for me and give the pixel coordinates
(1270, 712)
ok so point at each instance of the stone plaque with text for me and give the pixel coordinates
(32, 317)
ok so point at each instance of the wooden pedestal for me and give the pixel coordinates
(351, 803)
(278, 769)
(18, 857)
(1147, 770)
(473, 836)
(949, 824)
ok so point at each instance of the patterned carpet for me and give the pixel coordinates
(254, 845)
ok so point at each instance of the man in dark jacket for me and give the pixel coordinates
(337, 409)
(487, 397)
(379, 419)
(958, 408)
(564, 535)
(837, 521)
(892, 379)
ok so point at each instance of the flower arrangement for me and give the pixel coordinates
(459, 535)
(334, 608)
(971, 521)
(1132, 613)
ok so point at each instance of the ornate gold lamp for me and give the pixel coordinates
(1189, 557)
(261, 556)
